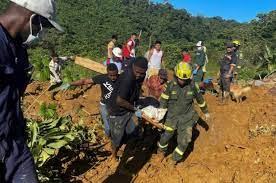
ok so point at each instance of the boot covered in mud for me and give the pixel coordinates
(225, 98)
(177, 155)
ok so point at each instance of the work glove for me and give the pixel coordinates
(208, 80)
(138, 113)
(195, 72)
(65, 86)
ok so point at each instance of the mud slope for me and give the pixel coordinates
(228, 152)
(237, 145)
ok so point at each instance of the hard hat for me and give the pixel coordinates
(199, 43)
(117, 52)
(236, 43)
(183, 70)
(44, 8)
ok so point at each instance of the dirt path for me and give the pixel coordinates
(237, 145)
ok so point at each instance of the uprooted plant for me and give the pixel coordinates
(48, 136)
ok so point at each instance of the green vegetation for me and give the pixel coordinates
(90, 24)
(46, 137)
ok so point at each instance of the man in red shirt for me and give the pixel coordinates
(129, 47)
(155, 84)
(186, 56)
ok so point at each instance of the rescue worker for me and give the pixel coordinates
(204, 68)
(236, 48)
(181, 117)
(200, 59)
(227, 66)
(239, 55)
(21, 25)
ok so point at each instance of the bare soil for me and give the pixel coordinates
(236, 145)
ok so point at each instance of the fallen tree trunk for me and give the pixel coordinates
(90, 64)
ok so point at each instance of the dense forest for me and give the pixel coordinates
(90, 24)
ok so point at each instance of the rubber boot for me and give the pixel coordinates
(226, 97)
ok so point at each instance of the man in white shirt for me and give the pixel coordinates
(155, 58)
(55, 71)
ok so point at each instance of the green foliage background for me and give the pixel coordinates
(90, 24)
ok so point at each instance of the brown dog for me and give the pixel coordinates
(238, 92)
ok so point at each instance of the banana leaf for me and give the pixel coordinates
(58, 144)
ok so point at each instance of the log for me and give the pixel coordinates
(90, 64)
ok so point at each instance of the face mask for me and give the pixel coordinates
(32, 39)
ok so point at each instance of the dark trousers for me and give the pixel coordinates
(53, 89)
(198, 77)
(184, 131)
(18, 165)
(225, 83)
(122, 128)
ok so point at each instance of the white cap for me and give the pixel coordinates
(117, 52)
(199, 43)
(44, 8)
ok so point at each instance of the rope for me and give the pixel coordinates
(36, 99)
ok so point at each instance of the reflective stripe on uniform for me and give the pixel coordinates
(162, 147)
(202, 105)
(197, 86)
(178, 151)
(164, 96)
(167, 128)
(174, 93)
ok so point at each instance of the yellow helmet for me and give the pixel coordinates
(236, 42)
(183, 70)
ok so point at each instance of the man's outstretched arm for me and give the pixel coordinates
(82, 82)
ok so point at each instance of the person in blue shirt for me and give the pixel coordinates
(20, 26)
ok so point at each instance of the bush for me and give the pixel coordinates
(40, 59)
(48, 136)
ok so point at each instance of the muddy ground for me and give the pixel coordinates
(236, 145)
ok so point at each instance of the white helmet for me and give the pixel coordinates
(44, 8)
(117, 52)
